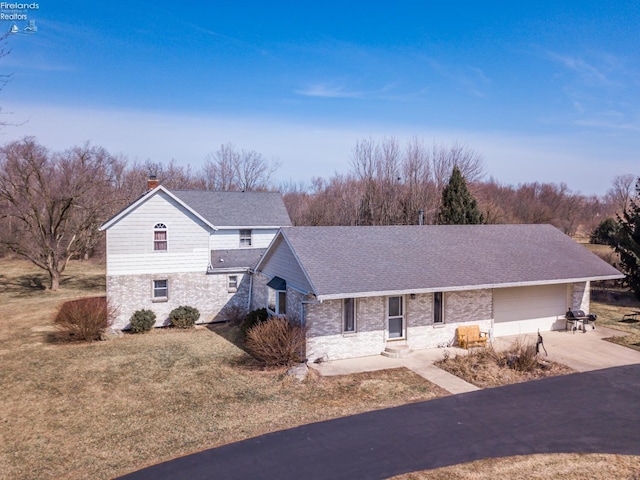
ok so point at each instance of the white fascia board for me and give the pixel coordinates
(146, 197)
(214, 271)
(386, 293)
(247, 227)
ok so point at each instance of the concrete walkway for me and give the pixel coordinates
(582, 351)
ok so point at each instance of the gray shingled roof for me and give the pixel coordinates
(243, 258)
(237, 209)
(356, 260)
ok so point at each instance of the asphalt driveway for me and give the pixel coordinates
(591, 412)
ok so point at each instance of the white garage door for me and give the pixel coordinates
(527, 309)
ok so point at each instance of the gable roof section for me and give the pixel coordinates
(236, 259)
(368, 261)
(238, 209)
(280, 260)
(222, 209)
(145, 197)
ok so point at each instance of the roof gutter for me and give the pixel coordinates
(385, 293)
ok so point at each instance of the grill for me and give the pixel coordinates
(577, 318)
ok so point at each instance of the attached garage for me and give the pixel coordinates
(519, 310)
(363, 290)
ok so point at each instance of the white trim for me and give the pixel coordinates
(392, 293)
(155, 299)
(355, 316)
(403, 316)
(146, 197)
(277, 310)
(164, 229)
(231, 289)
(248, 227)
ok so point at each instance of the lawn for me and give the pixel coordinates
(104, 409)
(611, 305)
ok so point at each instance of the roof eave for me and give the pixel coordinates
(146, 197)
(385, 293)
(247, 227)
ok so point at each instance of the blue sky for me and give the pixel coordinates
(545, 91)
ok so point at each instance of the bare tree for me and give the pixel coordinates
(621, 192)
(55, 202)
(230, 169)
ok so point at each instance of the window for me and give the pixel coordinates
(160, 237)
(349, 315)
(245, 238)
(277, 296)
(438, 308)
(233, 283)
(395, 317)
(160, 290)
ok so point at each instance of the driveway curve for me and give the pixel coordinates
(592, 412)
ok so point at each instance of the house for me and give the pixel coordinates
(360, 290)
(172, 248)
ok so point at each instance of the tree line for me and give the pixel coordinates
(52, 203)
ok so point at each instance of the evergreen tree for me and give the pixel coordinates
(458, 206)
(626, 242)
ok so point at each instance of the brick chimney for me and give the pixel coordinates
(152, 182)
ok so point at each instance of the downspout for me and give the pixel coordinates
(250, 290)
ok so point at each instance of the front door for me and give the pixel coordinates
(395, 317)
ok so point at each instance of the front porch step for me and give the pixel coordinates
(397, 351)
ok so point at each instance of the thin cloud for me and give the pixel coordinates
(328, 91)
(586, 70)
(388, 92)
(471, 79)
(603, 124)
(229, 39)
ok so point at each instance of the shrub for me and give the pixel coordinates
(142, 321)
(184, 316)
(235, 314)
(84, 320)
(521, 356)
(276, 341)
(252, 319)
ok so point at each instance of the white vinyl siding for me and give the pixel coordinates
(283, 263)
(229, 238)
(130, 245)
(526, 309)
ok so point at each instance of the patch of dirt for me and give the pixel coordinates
(44, 328)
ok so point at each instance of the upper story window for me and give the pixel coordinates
(245, 238)
(160, 237)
